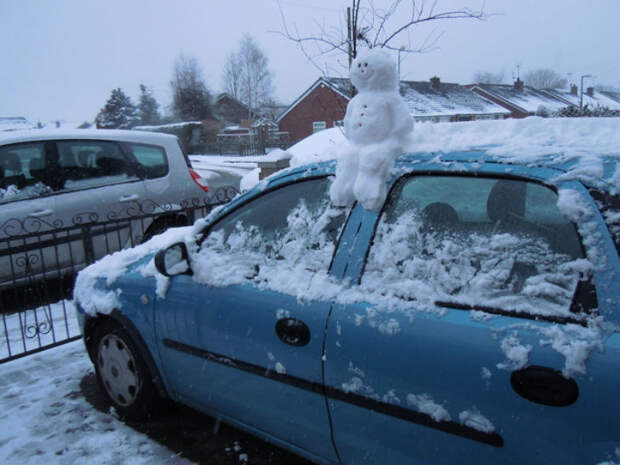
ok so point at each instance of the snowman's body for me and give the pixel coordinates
(377, 126)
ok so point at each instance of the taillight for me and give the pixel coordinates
(199, 180)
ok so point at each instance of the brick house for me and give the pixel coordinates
(229, 109)
(324, 105)
(321, 106)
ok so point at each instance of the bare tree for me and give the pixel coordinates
(247, 76)
(366, 25)
(487, 77)
(544, 78)
(231, 76)
(190, 97)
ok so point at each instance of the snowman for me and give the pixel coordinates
(377, 126)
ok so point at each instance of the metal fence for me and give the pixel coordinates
(39, 262)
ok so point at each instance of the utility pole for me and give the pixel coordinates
(349, 35)
(581, 93)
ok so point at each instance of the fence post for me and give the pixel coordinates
(87, 239)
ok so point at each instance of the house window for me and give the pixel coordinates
(339, 123)
(318, 126)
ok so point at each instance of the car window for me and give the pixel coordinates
(22, 170)
(473, 241)
(85, 164)
(294, 226)
(151, 159)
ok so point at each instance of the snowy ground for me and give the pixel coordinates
(46, 419)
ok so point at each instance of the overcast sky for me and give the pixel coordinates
(61, 58)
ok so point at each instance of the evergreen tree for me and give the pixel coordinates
(148, 108)
(118, 112)
(190, 98)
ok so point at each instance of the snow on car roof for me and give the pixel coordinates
(585, 148)
(108, 134)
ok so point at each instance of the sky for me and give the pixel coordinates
(62, 58)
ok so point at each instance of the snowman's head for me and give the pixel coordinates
(374, 70)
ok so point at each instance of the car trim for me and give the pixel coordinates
(402, 413)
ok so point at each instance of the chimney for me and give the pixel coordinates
(519, 85)
(574, 90)
(435, 82)
(590, 91)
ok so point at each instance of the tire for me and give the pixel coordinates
(122, 374)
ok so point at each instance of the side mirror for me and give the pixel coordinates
(173, 260)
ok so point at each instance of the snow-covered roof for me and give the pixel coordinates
(598, 99)
(15, 123)
(105, 134)
(428, 99)
(615, 96)
(167, 126)
(423, 99)
(528, 99)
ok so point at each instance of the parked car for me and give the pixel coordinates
(53, 184)
(473, 320)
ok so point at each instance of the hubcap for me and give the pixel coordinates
(117, 368)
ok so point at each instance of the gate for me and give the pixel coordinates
(39, 263)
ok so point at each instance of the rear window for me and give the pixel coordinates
(151, 158)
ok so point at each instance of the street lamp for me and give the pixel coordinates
(581, 94)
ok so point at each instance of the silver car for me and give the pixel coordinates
(70, 197)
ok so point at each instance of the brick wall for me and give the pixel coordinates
(321, 104)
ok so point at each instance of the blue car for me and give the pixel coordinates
(474, 319)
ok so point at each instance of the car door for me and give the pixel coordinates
(237, 347)
(477, 339)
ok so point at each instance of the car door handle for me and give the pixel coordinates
(544, 385)
(293, 332)
(129, 198)
(39, 213)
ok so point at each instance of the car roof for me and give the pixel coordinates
(600, 172)
(30, 135)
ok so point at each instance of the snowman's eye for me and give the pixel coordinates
(366, 65)
(359, 65)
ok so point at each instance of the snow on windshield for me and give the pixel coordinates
(288, 260)
(500, 270)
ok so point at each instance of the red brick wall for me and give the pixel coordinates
(322, 104)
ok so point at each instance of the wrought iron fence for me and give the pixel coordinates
(39, 262)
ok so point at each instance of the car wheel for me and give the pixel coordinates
(122, 374)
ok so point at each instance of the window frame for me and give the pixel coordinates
(318, 126)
